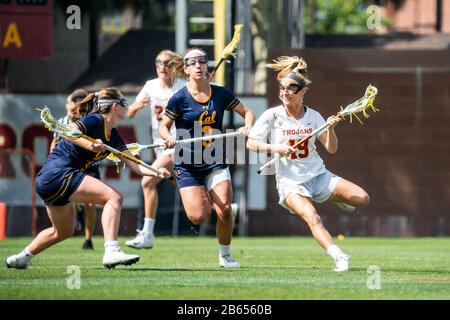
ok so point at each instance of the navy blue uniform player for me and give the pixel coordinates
(188, 113)
(65, 167)
(202, 175)
(62, 179)
(89, 213)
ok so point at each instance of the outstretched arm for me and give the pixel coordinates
(138, 169)
(136, 106)
(247, 114)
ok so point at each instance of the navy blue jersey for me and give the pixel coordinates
(93, 170)
(67, 154)
(65, 167)
(198, 117)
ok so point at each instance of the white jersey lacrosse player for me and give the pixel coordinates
(300, 172)
(157, 95)
(158, 101)
(304, 171)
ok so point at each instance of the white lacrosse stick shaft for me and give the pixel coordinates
(312, 134)
(358, 106)
(205, 138)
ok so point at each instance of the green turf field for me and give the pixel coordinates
(272, 268)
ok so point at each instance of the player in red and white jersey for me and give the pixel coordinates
(155, 94)
(301, 174)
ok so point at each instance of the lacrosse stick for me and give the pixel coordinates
(71, 133)
(136, 148)
(229, 49)
(359, 106)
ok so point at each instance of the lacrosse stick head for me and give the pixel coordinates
(57, 127)
(232, 46)
(134, 148)
(361, 105)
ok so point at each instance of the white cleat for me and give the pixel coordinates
(117, 257)
(143, 240)
(228, 262)
(234, 210)
(18, 262)
(342, 263)
(344, 206)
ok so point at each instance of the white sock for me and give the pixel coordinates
(224, 250)
(26, 253)
(111, 246)
(149, 224)
(334, 251)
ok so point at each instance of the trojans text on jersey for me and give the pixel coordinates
(299, 131)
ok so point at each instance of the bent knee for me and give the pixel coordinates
(224, 211)
(63, 233)
(198, 218)
(149, 182)
(116, 199)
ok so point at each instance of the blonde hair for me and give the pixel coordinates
(285, 65)
(175, 65)
(89, 105)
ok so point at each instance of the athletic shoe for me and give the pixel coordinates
(87, 245)
(344, 206)
(228, 262)
(342, 263)
(117, 257)
(143, 240)
(234, 210)
(17, 261)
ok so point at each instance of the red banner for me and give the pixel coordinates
(26, 29)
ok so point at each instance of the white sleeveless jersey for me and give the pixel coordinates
(63, 120)
(277, 127)
(158, 102)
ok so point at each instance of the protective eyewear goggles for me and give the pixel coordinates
(192, 61)
(292, 88)
(160, 63)
(106, 102)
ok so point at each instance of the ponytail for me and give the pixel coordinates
(90, 103)
(285, 65)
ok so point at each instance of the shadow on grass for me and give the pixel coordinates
(245, 268)
(121, 268)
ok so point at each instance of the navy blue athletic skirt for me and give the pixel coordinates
(56, 185)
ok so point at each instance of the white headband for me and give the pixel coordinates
(193, 54)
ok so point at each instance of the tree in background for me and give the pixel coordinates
(270, 29)
(339, 16)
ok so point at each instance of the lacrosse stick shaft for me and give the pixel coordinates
(185, 141)
(229, 48)
(71, 134)
(352, 109)
(124, 155)
(213, 72)
(312, 134)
